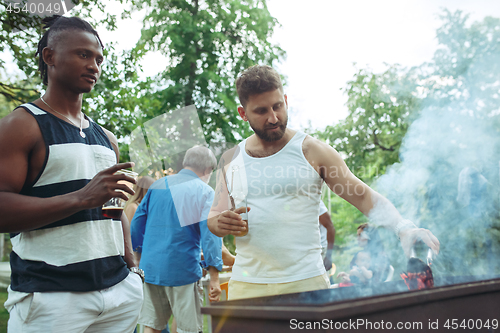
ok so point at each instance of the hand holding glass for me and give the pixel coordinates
(113, 208)
(238, 194)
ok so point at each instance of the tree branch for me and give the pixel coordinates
(376, 142)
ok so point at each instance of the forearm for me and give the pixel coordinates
(330, 237)
(212, 222)
(214, 274)
(22, 213)
(377, 208)
(227, 258)
(129, 256)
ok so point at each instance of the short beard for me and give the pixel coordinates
(271, 137)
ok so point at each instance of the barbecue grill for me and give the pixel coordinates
(456, 301)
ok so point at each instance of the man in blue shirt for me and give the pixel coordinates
(169, 229)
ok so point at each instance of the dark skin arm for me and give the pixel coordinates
(326, 222)
(22, 151)
(129, 256)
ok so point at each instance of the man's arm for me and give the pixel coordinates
(214, 290)
(138, 225)
(129, 256)
(332, 168)
(20, 138)
(221, 220)
(325, 221)
(227, 257)
(212, 255)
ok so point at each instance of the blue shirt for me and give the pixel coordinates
(169, 228)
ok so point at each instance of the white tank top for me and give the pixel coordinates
(283, 191)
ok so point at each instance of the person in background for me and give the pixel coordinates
(369, 239)
(361, 270)
(327, 233)
(73, 270)
(140, 189)
(169, 229)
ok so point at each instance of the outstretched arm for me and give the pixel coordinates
(332, 168)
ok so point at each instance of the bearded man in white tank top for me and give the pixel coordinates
(276, 175)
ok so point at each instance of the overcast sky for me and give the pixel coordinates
(323, 38)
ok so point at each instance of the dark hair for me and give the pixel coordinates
(255, 80)
(55, 24)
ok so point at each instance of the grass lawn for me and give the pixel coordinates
(4, 315)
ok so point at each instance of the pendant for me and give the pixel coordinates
(82, 134)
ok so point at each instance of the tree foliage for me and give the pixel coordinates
(381, 107)
(414, 133)
(19, 37)
(208, 42)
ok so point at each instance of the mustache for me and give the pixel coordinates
(278, 124)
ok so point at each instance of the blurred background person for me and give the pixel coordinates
(361, 270)
(169, 228)
(327, 234)
(140, 189)
(369, 239)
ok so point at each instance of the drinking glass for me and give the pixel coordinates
(238, 194)
(113, 208)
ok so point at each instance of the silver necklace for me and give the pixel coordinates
(81, 118)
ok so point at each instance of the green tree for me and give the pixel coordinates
(19, 37)
(208, 42)
(413, 134)
(381, 107)
(461, 94)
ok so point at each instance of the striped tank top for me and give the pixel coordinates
(82, 252)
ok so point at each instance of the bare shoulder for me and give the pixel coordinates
(19, 128)
(22, 150)
(112, 138)
(322, 157)
(228, 156)
(114, 142)
(314, 148)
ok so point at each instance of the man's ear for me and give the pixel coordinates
(242, 113)
(48, 56)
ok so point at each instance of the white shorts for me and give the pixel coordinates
(184, 302)
(114, 309)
